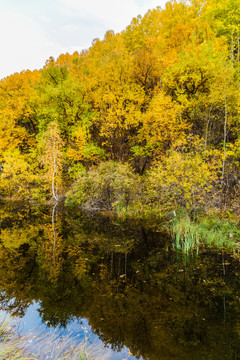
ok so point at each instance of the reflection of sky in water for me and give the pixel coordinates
(78, 329)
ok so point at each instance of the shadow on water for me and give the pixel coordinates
(134, 288)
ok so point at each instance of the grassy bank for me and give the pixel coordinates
(214, 231)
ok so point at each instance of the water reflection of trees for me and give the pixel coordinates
(131, 285)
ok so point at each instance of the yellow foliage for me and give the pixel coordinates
(52, 157)
(162, 124)
(15, 237)
(17, 174)
(184, 179)
(79, 137)
(16, 123)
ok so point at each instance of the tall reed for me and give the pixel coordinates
(188, 234)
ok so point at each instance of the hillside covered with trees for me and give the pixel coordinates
(144, 121)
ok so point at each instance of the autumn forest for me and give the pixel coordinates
(145, 121)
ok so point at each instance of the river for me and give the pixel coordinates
(123, 287)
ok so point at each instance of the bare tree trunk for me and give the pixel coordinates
(224, 138)
(54, 192)
(207, 124)
(232, 49)
(238, 53)
(54, 174)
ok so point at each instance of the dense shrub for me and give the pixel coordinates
(109, 186)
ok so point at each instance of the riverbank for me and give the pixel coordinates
(186, 209)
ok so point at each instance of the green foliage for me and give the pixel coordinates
(185, 233)
(110, 186)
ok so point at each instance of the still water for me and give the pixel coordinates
(122, 286)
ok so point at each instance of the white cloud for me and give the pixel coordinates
(71, 28)
(105, 11)
(23, 44)
(114, 15)
(45, 19)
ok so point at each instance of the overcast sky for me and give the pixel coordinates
(33, 30)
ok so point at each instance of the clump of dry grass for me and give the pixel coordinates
(14, 346)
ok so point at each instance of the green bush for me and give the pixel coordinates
(111, 186)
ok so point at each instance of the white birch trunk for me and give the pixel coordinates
(224, 138)
(54, 192)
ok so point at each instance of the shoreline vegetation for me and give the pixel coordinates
(142, 125)
(116, 191)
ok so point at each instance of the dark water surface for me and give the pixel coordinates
(122, 286)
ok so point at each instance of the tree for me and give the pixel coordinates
(115, 98)
(225, 20)
(52, 157)
(183, 180)
(162, 124)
